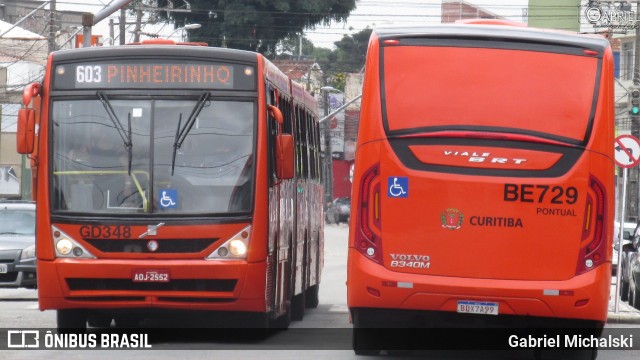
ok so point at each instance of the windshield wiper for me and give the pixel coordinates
(124, 135)
(181, 133)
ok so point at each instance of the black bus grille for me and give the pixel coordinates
(165, 246)
(199, 285)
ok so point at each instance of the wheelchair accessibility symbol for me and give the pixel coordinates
(168, 199)
(398, 187)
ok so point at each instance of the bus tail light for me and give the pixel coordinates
(67, 247)
(369, 216)
(593, 249)
(233, 249)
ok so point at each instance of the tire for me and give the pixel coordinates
(258, 325)
(282, 322)
(636, 300)
(362, 344)
(624, 290)
(311, 297)
(71, 320)
(632, 295)
(297, 307)
(127, 321)
(99, 320)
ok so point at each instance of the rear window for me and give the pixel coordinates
(427, 86)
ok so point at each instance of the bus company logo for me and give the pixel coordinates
(451, 219)
(610, 14)
(23, 339)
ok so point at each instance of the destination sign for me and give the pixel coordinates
(154, 74)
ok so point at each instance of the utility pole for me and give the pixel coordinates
(138, 28)
(123, 24)
(328, 156)
(112, 32)
(52, 26)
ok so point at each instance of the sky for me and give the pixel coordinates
(368, 13)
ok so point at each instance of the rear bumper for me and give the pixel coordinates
(581, 297)
(194, 284)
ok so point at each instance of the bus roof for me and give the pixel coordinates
(494, 32)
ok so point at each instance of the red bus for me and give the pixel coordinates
(172, 177)
(484, 178)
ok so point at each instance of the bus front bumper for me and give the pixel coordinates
(193, 284)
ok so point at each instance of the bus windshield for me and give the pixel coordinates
(122, 160)
(542, 93)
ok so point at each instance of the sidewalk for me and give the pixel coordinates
(626, 314)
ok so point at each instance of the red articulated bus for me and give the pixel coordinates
(172, 177)
(483, 179)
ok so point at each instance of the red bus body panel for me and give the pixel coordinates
(259, 284)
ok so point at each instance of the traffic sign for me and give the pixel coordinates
(627, 151)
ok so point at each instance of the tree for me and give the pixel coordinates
(290, 46)
(348, 57)
(256, 25)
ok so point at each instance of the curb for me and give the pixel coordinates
(626, 314)
(623, 318)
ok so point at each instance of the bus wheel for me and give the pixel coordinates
(311, 297)
(281, 322)
(99, 320)
(71, 320)
(259, 325)
(127, 321)
(633, 298)
(362, 344)
(624, 290)
(297, 307)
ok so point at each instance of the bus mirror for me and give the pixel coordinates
(275, 113)
(26, 131)
(29, 92)
(284, 156)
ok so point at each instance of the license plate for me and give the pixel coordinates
(478, 307)
(144, 275)
(3, 268)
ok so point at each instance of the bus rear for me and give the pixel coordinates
(484, 175)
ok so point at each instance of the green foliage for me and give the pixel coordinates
(256, 25)
(291, 46)
(348, 57)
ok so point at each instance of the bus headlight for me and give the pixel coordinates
(67, 247)
(235, 248)
(64, 246)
